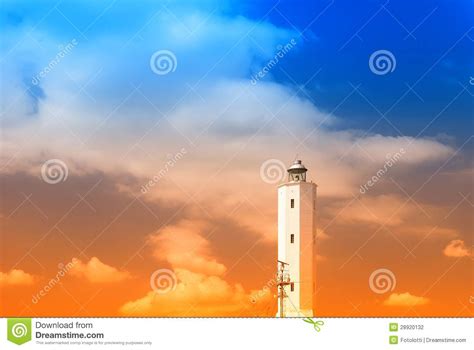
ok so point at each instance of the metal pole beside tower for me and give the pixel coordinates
(282, 282)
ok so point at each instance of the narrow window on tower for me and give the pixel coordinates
(292, 286)
(292, 238)
(292, 203)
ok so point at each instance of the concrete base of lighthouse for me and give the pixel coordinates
(301, 313)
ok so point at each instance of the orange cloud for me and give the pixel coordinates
(390, 210)
(457, 249)
(405, 299)
(198, 286)
(194, 294)
(96, 271)
(16, 278)
(183, 247)
(428, 230)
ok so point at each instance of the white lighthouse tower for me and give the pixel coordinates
(296, 244)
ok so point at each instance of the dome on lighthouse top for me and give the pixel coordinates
(297, 167)
(297, 171)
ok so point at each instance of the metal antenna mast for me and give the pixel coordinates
(283, 280)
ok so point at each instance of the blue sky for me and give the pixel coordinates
(335, 38)
(418, 34)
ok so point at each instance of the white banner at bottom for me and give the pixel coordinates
(236, 333)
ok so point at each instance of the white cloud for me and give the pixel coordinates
(183, 246)
(234, 126)
(231, 139)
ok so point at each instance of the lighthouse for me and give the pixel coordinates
(296, 244)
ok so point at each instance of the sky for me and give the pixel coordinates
(143, 143)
